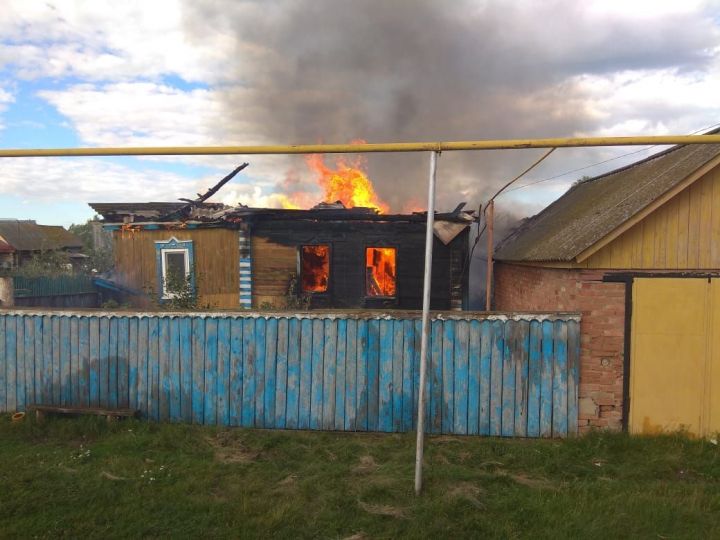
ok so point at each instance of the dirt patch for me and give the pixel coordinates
(535, 483)
(230, 450)
(445, 439)
(382, 510)
(367, 465)
(468, 491)
(357, 536)
(288, 481)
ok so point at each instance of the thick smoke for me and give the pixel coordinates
(412, 70)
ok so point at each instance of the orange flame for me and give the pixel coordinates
(347, 183)
(380, 271)
(315, 268)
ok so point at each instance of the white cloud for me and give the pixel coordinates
(110, 41)
(5, 99)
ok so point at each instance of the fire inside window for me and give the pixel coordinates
(380, 272)
(315, 268)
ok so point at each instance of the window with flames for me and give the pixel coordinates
(315, 268)
(380, 271)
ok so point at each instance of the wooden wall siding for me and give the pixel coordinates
(487, 376)
(683, 234)
(272, 266)
(216, 262)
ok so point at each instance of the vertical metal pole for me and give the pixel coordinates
(489, 218)
(425, 323)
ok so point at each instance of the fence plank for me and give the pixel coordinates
(103, 361)
(47, 368)
(55, 337)
(111, 362)
(534, 379)
(385, 371)
(474, 365)
(211, 371)
(65, 362)
(408, 376)
(351, 376)
(573, 348)
(186, 369)
(363, 336)
(316, 388)
(173, 378)
(260, 346)
(373, 379)
(546, 377)
(520, 360)
(38, 359)
(496, 377)
(223, 377)
(3, 367)
(123, 361)
(85, 359)
(435, 378)
(249, 349)
(462, 371)
(417, 330)
(11, 362)
(396, 393)
(448, 380)
(132, 362)
(198, 367)
(560, 378)
(76, 368)
(340, 375)
(20, 363)
(29, 358)
(292, 407)
(329, 373)
(164, 369)
(281, 374)
(94, 363)
(236, 371)
(143, 378)
(271, 343)
(154, 369)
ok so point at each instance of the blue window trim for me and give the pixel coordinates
(173, 243)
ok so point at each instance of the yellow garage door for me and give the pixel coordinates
(675, 357)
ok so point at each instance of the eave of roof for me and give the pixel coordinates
(593, 209)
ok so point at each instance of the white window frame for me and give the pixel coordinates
(186, 252)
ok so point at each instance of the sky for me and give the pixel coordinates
(207, 72)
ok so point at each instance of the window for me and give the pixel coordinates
(315, 268)
(174, 267)
(380, 271)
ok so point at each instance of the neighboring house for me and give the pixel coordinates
(24, 238)
(637, 251)
(326, 257)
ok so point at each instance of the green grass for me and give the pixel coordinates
(85, 478)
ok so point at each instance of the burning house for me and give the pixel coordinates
(326, 257)
(346, 254)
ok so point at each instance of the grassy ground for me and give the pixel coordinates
(84, 478)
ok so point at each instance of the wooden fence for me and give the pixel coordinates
(507, 375)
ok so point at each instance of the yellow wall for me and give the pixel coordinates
(216, 262)
(677, 236)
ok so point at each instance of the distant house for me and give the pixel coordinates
(21, 239)
(326, 257)
(637, 251)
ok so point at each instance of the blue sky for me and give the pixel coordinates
(212, 72)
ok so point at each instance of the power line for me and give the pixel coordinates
(600, 162)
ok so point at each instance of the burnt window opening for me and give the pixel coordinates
(314, 268)
(380, 271)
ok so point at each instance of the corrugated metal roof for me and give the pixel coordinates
(593, 208)
(26, 235)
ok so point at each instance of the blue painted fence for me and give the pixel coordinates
(514, 375)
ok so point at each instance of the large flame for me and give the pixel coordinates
(347, 182)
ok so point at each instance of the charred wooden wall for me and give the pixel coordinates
(216, 263)
(275, 244)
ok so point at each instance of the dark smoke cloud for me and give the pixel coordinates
(334, 71)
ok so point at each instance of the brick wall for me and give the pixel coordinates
(525, 288)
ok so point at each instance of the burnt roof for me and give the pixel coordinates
(26, 235)
(593, 208)
(218, 213)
